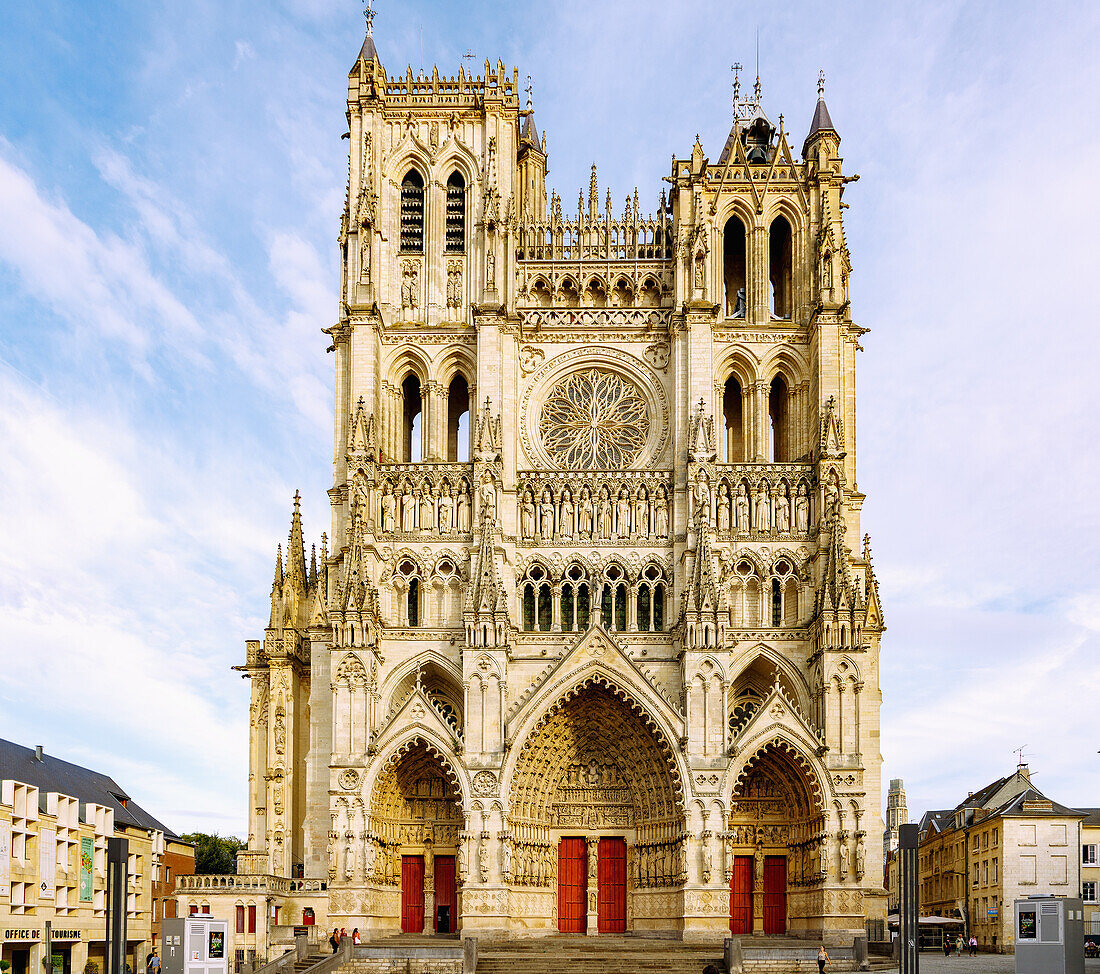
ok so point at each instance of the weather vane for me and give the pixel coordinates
(528, 90)
(736, 69)
(821, 84)
(369, 15)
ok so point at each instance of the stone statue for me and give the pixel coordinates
(761, 514)
(546, 516)
(527, 516)
(622, 525)
(782, 512)
(758, 865)
(660, 515)
(802, 511)
(723, 510)
(701, 509)
(861, 857)
(280, 731)
(742, 509)
(824, 852)
(408, 511)
(483, 858)
(505, 857)
(842, 864)
(832, 496)
(463, 856)
(368, 863)
(641, 517)
(446, 510)
(491, 268)
(565, 521)
(349, 855)
(463, 509)
(427, 514)
(603, 515)
(389, 509)
(488, 497)
(739, 304)
(707, 862)
(586, 515)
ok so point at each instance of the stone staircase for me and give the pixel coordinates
(310, 961)
(597, 955)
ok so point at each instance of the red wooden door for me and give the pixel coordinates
(445, 892)
(611, 884)
(412, 894)
(775, 894)
(741, 895)
(572, 886)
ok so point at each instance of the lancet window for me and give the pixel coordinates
(734, 267)
(651, 600)
(576, 599)
(409, 581)
(456, 214)
(412, 213)
(779, 420)
(779, 264)
(538, 600)
(613, 608)
(412, 420)
(458, 420)
(733, 421)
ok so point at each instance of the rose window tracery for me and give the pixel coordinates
(594, 420)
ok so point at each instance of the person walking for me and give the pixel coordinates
(822, 957)
(959, 945)
(973, 946)
(334, 939)
(946, 945)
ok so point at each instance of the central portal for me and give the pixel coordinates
(595, 797)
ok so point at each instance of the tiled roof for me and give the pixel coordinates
(52, 774)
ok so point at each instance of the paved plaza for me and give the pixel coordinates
(982, 964)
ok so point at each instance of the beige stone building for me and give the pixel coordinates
(1090, 870)
(1006, 841)
(55, 820)
(593, 643)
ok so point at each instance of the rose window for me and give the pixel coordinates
(594, 420)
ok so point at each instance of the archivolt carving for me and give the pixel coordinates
(801, 772)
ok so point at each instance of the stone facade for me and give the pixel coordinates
(596, 570)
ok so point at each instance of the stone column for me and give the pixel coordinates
(555, 614)
(593, 891)
(760, 422)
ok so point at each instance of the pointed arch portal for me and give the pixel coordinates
(596, 811)
(775, 829)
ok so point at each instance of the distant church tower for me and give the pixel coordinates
(595, 642)
(897, 813)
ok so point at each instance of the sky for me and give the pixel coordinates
(171, 182)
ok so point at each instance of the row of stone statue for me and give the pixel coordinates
(761, 511)
(595, 515)
(360, 858)
(441, 509)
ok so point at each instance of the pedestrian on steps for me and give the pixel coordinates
(822, 957)
(334, 939)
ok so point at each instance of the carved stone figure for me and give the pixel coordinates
(408, 511)
(389, 509)
(427, 519)
(505, 857)
(527, 516)
(546, 516)
(566, 524)
(483, 858)
(802, 511)
(660, 515)
(641, 515)
(623, 515)
(490, 268)
(758, 864)
(861, 857)
(832, 497)
(463, 509)
(761, 512)
(701, 502)
(463, 856)
(723, 510)
(603, 516)
(742, 509)
(446, 510)
(349, 855)
(824, 853)
(782, 512)
(368, 861)
(586, 515)
(280, 731)
(707, 861)
(842, 862)
(488, 497)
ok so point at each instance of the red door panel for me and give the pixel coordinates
(741, 895)
(572, 886)
(412, 894)
(611, 884)
(445, 892)
(775, 894)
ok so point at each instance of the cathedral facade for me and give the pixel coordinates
(593, 643)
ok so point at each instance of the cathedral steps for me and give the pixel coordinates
(597, 955)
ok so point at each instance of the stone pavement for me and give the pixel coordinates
(982, 964)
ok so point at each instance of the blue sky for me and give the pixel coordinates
(171, 180)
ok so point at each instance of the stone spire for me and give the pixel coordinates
(296, 549)
(821, 122)
(593, 196)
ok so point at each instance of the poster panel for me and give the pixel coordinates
(86, 851)
(5, 853)
(47, 863)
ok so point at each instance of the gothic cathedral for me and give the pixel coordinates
(594, 644)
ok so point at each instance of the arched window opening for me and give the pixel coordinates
(779, 266)
(584, 608)
(456, 214)
(659, 607)
(567, 609)
(733, 439)
(412, 440)
(643, 609)
(606, 608)
(777, 604)
(778, 397)
(458, 420)
(745, 705)
(545, 609)
(412, 213)
(528, 608)
(620, 607)
(413, 602)
(734, 267)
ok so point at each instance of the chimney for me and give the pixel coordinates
(1022, 769)
(38, 752)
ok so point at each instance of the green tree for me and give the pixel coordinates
(214, 853)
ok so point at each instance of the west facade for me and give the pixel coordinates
(593, 643)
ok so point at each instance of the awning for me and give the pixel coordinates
(929, 921)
